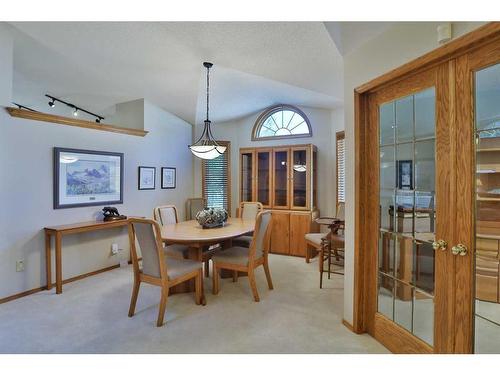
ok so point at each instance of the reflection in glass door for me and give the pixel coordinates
(487, 254)
(407, 212)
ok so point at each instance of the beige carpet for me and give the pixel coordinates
(91, 317)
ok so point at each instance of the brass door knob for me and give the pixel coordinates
(459, 249)
(439, 244)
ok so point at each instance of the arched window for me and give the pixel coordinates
(282, 121)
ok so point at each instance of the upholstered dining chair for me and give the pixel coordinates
(158, 269)
(242, 259)
(248, 210)
(193, 206)
(168, 215)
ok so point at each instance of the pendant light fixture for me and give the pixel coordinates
(206, 147)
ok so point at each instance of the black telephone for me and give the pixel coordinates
(111, 213)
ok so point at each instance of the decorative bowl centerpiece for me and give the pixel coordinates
(212, 217)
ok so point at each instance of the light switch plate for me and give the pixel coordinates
(20, 265)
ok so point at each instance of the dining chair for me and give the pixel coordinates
(165, 215)
(248, 210)
(242, 259)
(158, 269)
(193, 206)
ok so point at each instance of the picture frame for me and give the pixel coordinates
(146, 178)
(168, 177)
(86, 178)
(405, 174)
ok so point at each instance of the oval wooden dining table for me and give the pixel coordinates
(190, 233)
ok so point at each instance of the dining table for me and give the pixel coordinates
(199, 239)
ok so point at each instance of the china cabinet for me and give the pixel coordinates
(283, 179)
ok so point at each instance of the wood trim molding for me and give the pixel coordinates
(71, 279)
(54, 119)
(348, 325)
(460, 45)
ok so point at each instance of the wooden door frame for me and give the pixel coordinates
(364, 269)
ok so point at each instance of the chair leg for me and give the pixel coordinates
(197, 287)
(321, 260)
(329, 262)
(163, 305)
(308, 253)
(268, 274)
(207, 266)
(133, 300)
(235, 276)
(215, 279)
(253, 285)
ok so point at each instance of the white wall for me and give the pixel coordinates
(324, 123)
(6, 64)
(26, 191)
(386, 51)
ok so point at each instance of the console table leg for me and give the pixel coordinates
(48, 262)
(58, 264)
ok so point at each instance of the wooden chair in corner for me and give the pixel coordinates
(245, 259)
(158, 269)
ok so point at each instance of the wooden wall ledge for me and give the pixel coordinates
(39, 116)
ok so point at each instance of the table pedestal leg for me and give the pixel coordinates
(188, 286)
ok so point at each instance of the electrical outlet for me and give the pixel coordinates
(20, 265)
(114, 248)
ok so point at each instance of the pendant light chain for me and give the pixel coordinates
(208, 86)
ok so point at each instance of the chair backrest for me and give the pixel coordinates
(340, 211)
(148, 235)
(193, 206)
(165, 214)
(249, 210)
(262, 227)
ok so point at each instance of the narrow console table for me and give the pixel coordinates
(60, 230)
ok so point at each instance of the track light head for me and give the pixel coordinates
(98, 120)
(52, 103)
(75, 112)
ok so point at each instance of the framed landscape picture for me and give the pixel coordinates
(168, 178)
(87, 178)
(147, 178)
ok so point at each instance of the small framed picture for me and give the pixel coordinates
(147, 178)
(168, 176)
(405, 174)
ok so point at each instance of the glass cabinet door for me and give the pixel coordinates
(281, 161)
(246, 178)
(300, 176)
(264, 169)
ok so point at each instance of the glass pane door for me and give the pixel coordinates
(407, 215)
(487, 254)
(264, 177)
(300, 175)
(281, 178)
(246, 183)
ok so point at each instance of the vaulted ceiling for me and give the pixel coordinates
(257, 64)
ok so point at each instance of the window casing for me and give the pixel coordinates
(340, 152)
(216, 179)
(282, 121)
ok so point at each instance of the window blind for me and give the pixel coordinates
(216, 179)
(340, 167)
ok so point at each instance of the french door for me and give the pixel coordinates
(430, 206)
(412, 204)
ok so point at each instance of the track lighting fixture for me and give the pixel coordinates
(20, 106)
(53, 101)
